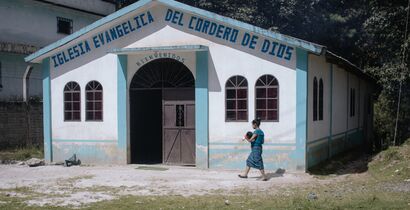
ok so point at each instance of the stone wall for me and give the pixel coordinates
(21, 124)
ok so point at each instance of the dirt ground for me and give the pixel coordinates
(76, 186)
(350, 181)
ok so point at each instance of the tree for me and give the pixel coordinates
(386, 58)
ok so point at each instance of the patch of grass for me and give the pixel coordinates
(392, 164)
(349, 195)
(341, 164)
(103, 189)
(20, 190)
(391, 154)
(69, 183)
(21, 154)
(79, 178)
(14, 198)
(15, 203)
(353, 201)
(26, 191)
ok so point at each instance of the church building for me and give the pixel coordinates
(161, 82)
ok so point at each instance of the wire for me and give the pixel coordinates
(401, 75)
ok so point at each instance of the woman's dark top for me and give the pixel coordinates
(259, 139)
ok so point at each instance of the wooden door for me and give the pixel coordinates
(178, 130)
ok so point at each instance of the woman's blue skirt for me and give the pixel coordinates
(255, 158)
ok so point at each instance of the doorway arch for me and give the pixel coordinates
(162, 114)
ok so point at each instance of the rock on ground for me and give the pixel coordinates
(33, 162)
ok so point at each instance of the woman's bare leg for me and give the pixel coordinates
(245, 173)
(263, 175)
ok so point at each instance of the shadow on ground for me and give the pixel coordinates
(351, 162)
(278, 173)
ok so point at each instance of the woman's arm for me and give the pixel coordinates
(253, 138)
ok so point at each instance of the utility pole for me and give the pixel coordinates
(402, 67)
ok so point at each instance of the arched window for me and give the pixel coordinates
(317, 99)
(236, 99)
(267, 98)
(72, 102)
(315, 89)
(352, 102)
(320, 99)
(94, 101)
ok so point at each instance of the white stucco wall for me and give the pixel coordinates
(342, 122)
(103, 70)
(319, 68)
(225, 62)
(340, 103)
(252, 68)
(343, 82)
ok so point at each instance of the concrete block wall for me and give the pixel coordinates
(21, 124)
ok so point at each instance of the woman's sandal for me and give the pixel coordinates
(243, 177)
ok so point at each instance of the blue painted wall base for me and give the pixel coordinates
(89, 152)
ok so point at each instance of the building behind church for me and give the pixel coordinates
(29, 25)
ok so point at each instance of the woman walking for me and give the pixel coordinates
(255, 158)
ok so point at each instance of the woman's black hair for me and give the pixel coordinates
(257, 121)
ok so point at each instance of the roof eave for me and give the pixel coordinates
(342, 62)
(308, 46)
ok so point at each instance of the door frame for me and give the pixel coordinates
(201, 101)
